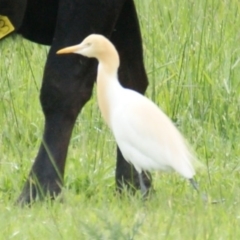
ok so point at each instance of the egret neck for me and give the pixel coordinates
(108, 86)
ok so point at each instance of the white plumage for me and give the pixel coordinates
(146, 137)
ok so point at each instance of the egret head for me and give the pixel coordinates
(92, 46)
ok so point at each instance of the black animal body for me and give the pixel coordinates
(68, 80)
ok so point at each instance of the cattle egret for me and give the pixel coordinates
(146, 137)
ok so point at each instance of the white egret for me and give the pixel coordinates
(146, 137)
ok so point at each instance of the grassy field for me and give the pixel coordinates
(192, 56)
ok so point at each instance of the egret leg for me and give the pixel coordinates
(143, 187)
(194, 184)
(204, 195)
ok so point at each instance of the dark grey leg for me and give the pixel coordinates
(143, 187)
(194, 184)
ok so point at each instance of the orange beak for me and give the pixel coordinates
(66, 50)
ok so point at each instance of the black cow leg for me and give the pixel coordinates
(63, 94)
(46, 175)
(127, 39)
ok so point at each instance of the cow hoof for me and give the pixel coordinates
(35, 192)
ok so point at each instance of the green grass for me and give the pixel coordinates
(192, 56)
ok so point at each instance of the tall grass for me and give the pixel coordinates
(192, 57)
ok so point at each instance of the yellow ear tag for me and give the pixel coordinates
(5, 26)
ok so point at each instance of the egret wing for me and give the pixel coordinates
(148, 138)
